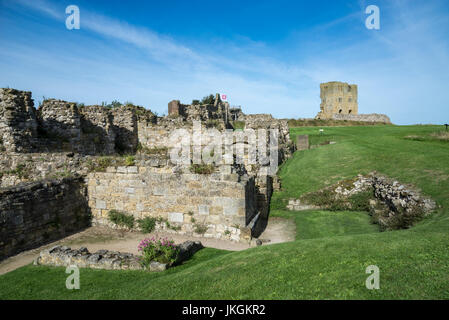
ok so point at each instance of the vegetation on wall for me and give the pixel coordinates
(121, 219)
(202, 168)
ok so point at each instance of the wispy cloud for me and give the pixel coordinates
(398, 69)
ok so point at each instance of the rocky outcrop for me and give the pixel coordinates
(62, 256)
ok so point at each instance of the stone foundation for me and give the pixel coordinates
(40, 212)
(60, 256)
(372, 117)
(393, 205)
(222, 203)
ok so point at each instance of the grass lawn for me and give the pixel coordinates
(331, 251)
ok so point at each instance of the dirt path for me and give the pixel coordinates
(96, 238)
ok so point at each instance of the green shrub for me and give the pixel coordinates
(147, 224)
(212, 123)
(360, 201)
(202, 168)
(130, 161)
(121, 219)
(210, 99)
(172, 227)
(153, 151)
(325, 199)
(399, 220)
(238, 125)
(99, 164)
(161, 250)
(329, 199)
(200, 228)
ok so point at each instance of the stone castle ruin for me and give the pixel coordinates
(339, 102)
(337, 98)
(65, 165)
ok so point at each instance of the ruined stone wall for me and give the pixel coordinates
(156, 134)
(60, 124)
(125, 126)
(18, 124)
(35, 213)
(223, 203)
(97, 128)
(373, 117)
(337, 98)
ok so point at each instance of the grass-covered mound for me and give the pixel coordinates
(332, 249)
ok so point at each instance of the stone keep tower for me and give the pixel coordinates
(337, 98)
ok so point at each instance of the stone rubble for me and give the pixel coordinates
(391, 199)
(63, 256)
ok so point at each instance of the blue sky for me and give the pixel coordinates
(267, 56)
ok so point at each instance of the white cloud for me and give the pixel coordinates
(399, 69)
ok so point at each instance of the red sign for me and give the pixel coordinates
(223, 97)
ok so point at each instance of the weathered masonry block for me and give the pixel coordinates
(222, 204)
(302, 142)
(39, 212)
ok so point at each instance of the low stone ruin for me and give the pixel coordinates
(393, 205)
(62, 256)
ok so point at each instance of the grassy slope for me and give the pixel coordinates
(332, 250)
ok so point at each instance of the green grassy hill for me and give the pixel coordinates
(331, 251)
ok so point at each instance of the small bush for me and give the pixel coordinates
(200, 228)
(202, 168)
(154, 151)
(360, 201)
(161, 250)
(147, 224)
(329, 199)
(210, 99)
(172, 227)
(121, 219)
(212, 123)
(238, 125)
(398, 220)
(325, 199)
(99, 164)
(130, 161)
